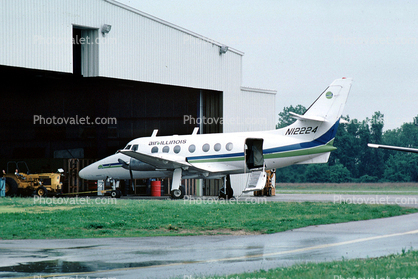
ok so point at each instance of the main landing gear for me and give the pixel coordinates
(178, 194)
(226, 192)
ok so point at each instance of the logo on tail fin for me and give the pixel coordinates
(329, 95)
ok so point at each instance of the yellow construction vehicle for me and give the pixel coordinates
(41, 184)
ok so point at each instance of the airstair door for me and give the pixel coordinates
(254, 158)
(254, 161)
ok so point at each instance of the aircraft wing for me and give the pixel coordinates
(160, 161)
(405, 149)
(171, 161)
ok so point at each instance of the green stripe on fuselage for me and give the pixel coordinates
(284, 154)
(217, 160)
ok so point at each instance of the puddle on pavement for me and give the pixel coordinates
(59, 266)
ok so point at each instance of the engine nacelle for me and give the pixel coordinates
(136, 165)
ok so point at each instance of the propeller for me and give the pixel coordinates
(127, 166)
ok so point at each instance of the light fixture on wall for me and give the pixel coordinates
(106, 29)
(223, 49)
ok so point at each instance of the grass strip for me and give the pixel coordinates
(348, 188)
(403, 265)
(28, 218)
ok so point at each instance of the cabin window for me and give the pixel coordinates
(206, 147)
(192, 148)
(135, 147)
(229, 146)
(177, 149)
(127, 147)
(154, 149)
(166, 149)
(217, 147)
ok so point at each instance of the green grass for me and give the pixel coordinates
(404, 265)
(22, 218)
(348, 188)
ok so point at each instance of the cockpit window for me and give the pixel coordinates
(128, 147)
(135, 147)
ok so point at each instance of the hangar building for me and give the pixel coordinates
(130, 71)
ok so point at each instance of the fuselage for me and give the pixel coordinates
(219, 154)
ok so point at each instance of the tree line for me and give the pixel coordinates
(354, 161)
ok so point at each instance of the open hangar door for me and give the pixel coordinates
(138, 108)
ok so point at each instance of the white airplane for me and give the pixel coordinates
(309, 140)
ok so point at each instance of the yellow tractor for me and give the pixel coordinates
(41, 184)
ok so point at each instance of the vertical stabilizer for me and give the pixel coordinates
(321, 119)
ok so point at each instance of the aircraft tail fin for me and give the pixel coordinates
(321, 119)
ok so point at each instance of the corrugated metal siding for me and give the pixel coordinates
(249, 110)
(139, 48)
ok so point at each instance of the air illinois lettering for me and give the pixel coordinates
(301, 131)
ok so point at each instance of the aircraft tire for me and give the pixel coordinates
(115, 194)
(178, 194)
(229, 194)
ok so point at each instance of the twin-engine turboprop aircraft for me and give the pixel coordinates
(309, 140)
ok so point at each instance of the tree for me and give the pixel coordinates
(354, 160)
(285, 118)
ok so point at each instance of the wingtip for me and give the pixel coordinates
(372, 145)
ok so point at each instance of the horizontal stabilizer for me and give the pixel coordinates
(303, 118)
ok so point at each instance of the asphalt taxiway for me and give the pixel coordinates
(198, 256)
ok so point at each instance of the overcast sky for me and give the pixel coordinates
(299, 47)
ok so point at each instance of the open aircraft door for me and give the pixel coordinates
(254, 160)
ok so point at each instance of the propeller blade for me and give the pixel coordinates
(132, 177)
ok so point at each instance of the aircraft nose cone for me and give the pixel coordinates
(84, 174)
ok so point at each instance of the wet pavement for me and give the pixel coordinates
(198, 256)
(401, 200)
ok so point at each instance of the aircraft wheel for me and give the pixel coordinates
(115, 194)
(178, 194)
(11, 187)
(42, 191)
(228, 194)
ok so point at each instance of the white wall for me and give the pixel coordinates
(38, 34)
